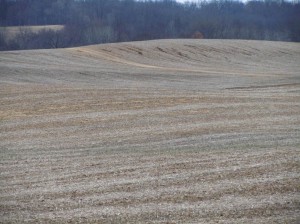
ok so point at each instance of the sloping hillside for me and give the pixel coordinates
(165, 131)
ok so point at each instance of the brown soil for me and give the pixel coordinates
(167, 131)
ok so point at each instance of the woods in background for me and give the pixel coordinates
(102, 21)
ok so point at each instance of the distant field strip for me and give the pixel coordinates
(11, 32)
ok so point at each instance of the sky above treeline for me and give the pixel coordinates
(186, 0)
(183, 1)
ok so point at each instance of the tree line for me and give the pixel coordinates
(102, 21)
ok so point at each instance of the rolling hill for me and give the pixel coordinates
(163, 131)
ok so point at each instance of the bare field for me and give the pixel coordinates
(12, 31)
(166, 131)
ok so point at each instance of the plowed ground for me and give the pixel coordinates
(168, 131)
